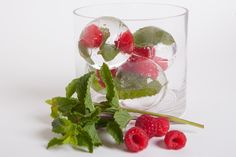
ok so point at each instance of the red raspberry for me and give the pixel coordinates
(162, 62)
(175, 139)
(162, 126)
(125, 42)
(153, 126)
(136, 139)
(91, 36)
(147, 123)
(102, 84)
(142, 66)
(148, 52)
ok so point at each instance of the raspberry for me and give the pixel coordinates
(148, 52)
(91, 36)
(136, 139)
(162, 62)
(175, 140)
(142, 66)
(102, 84)
(162, 126)
(125, 42)
(153, 126)
(147, 123)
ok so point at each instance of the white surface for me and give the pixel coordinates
(37, 61)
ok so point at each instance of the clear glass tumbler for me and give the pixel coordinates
(170, 52)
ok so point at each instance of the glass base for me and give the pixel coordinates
(173, 103)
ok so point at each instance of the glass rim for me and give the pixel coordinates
(185, 11)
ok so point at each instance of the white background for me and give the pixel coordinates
(37, 61)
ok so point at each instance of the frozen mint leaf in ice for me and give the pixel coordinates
(151, 36)
(108, 52)
(85, 53)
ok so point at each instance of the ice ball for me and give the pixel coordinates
(106, 40)
(140, 82)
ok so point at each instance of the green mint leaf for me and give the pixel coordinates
(90, 117)
(122, 118)
(108, 52)
(111, 93)
(54, 142)
(151, 36)
(61, 125)
(72, 139)
(114, 130)
(85, 53)
(84, 139)
(131, 85)
(96, 86)
(83, 91)
(102, 123)
(152, 88)
(54, 110)
(106, 35)
(71, 87)
(91, 130)
(62, 105)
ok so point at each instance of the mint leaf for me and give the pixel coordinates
(96, 86)
(122, 118)
(63, 140)
(151, 36)
(108, 52)
(114, 130)
(131, 85)
(90, 117)
(61, 125)
(85, 53)
(83, 91)
(106, 35)
(55, 141)
(151, 89)
(61, 104)
(84, 139)
(71, 87)
(111, 93)
(91, 130)
(73, 134)
(72, 139)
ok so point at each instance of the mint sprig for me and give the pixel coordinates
(76, 119)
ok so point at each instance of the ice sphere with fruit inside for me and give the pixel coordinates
(154, 42)
(105, 40)
(140, 83)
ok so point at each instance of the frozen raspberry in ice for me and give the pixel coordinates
(105, 40)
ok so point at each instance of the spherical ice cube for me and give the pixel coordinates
(154, 42)
(106, 40)
(140, 83)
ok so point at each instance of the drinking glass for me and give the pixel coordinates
(170, 18)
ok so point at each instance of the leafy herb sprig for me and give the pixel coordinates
(77, 119)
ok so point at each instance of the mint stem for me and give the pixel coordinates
(171, 118)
